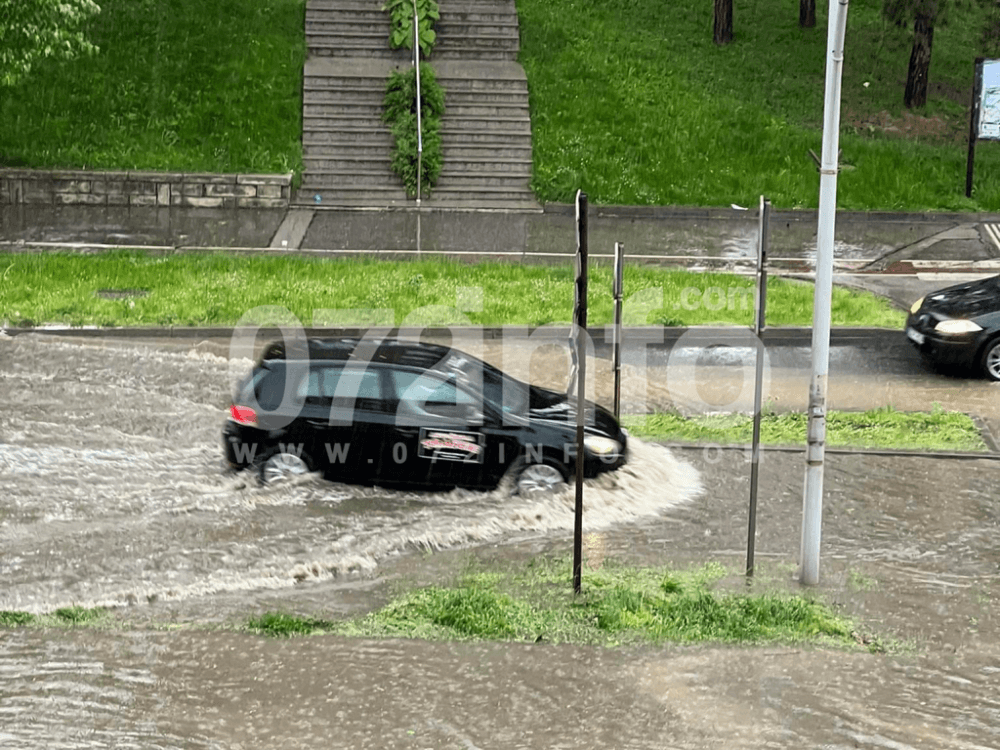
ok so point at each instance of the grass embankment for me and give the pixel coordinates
(198, 290)
(633, 103)
(937, 430)
(178, 85)
(619, 605)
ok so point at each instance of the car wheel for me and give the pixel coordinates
(539, 479)
(282, 465)
(991, 360)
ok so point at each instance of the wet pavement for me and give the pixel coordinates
(115, 493)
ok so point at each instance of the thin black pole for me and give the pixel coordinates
(758, 329)
(977, 84)
(617, 292)
(580, 310)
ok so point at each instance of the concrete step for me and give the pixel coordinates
(482, 86)
(343, 177)
(332, 134)
(348, 97)
(457, 25)
(484, 96)
(332, 47)
(452, 124)
(486, 110)
(331, 23)
(346, 197)
(494, 138)
(478, 153)
(504, 167)
(477, 55)
(354, 149)
(376, 39)
(470, 36)
(487, 194)
(337, 110)
(354, 122)
(477, 181)
(348, 162)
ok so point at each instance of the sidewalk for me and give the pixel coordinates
(898, 255)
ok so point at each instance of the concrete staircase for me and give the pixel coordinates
(486, 130)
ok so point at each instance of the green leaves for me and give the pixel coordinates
(401, 13)
(400, 115)
(32, 30)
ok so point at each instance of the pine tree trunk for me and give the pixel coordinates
(918, 74)
(722, 32)
(807, 13)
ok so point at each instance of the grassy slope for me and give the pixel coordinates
(630, 101)
(186, 85)
(220, 289)
(633, 103)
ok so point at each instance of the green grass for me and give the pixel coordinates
(937, 430)
(631, 102)
(619, 604)
(178, 85)
(217, 289)
(63, 617)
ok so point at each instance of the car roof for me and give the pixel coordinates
(390, 351)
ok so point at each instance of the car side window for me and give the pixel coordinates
(430, 394)
(359, 388)
(333, 385)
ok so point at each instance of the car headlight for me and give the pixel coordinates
(957, 325)
(601, 446)
(916, 305)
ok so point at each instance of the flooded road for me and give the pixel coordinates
(117, 494)
(114, 493)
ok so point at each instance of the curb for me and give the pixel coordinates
(887, 452)
(601, 336)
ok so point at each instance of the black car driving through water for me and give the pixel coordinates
(960, 325)
(406, 413)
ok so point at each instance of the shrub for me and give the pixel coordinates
(400, 114)
(401, 14)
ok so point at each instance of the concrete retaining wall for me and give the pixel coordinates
(75, 187)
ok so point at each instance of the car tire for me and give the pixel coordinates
(990, 361)
(278, 466)
(536, 479)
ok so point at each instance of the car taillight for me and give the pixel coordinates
(243, 415)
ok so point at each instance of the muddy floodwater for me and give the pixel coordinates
(113, 492)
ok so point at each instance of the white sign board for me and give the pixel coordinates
(989, 101)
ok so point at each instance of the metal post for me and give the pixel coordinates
(977, 88)
(580, 321)
(812, 503)
(616, 340)
(420, 129)
(760, 305)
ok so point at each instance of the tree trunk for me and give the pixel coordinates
(917, 75)
(807, 13)
(722, 32)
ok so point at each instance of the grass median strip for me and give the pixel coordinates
(936, 430)
(620, 604)
(220, 289)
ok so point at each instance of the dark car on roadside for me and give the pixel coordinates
(960, 325)
(408, 413)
